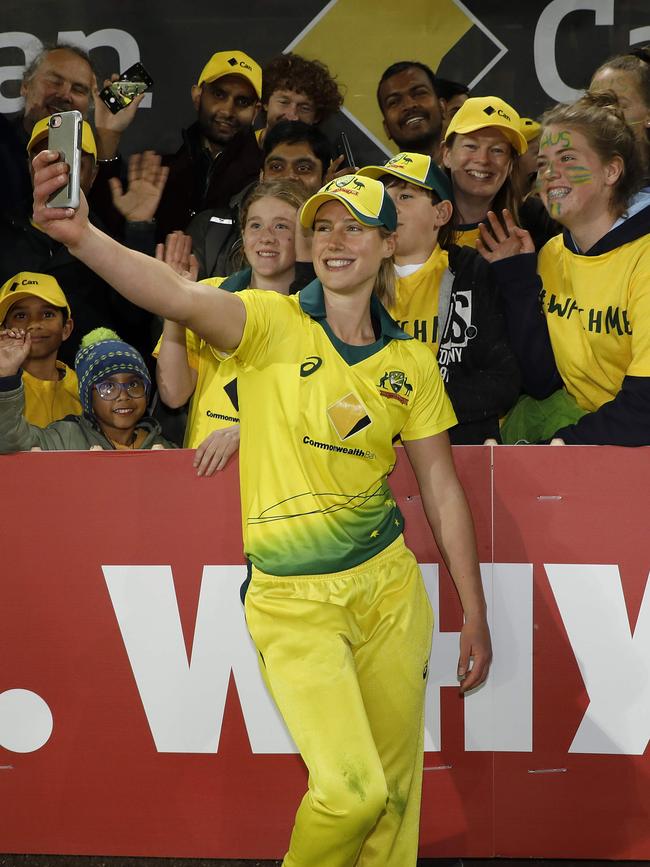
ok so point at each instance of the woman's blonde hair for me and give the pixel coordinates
(384, 287)
(293, 193)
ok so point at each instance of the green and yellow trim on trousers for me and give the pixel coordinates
(345, 656)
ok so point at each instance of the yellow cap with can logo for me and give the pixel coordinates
(530, 128)
(232, 63)
(28, 283)
(479, 112)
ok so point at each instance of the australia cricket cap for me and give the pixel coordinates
(365, 198)
(28, 283)
(418, 169)
(42, 128)
(530, 128)
(233, 63)
(479, 112)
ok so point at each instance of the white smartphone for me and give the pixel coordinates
(64, 136)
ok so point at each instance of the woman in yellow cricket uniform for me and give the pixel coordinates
(336, 604)
(187, 366)
(591, 338)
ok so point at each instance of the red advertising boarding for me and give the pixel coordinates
(133, 719)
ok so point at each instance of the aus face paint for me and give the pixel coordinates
(579, 174)
(552, 137)
(571, 178)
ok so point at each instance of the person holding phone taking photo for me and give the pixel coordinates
(336, 605)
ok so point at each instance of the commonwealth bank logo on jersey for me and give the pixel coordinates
(400, 387)
(348, 416)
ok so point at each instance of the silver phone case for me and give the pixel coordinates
(66, 139)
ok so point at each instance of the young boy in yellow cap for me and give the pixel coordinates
(114, 385)
(35, 303)
(445, 298)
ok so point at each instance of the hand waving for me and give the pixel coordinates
(177, 253)
(15, 345)
(500, 242)
(146, 182)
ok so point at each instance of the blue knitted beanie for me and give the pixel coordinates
(100, 355)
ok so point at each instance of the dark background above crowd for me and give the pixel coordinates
(173, 40)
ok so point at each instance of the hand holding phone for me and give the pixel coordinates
(64, 137)
(118, 94)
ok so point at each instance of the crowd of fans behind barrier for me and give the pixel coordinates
(522, 254)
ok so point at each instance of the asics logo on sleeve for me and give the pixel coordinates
(311, 365)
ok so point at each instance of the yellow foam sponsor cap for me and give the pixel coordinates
(233, 63)
(530, 128)
(28, 283)
(479, 112)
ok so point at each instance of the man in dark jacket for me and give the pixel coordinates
(219, 155)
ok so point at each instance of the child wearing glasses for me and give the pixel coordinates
(114, 386)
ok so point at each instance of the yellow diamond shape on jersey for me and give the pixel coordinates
(348, 416)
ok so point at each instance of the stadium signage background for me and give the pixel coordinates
(547, 53)
(133, 719)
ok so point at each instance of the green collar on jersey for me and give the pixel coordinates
(312, 302)
(238, 281)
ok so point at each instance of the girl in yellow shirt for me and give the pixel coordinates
(187, 366)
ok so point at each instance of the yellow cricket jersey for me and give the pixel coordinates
(598, 314)
(214, 404)
(318, 422)
(416, 301)
(47, 401)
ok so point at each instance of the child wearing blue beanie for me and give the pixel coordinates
(114, 386)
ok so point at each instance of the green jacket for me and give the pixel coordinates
(72, 433)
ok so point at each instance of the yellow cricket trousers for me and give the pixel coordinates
(345, 656)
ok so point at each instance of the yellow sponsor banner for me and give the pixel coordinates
(359, 39)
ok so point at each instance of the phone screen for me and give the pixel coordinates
(118, 94)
